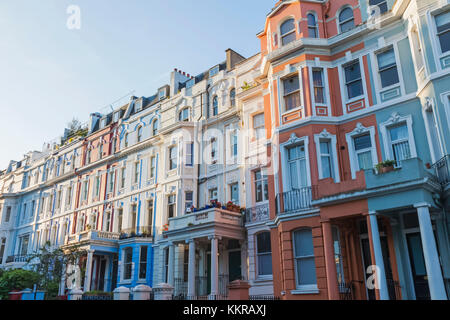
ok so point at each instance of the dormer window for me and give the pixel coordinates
(346, 20)
(138, 105)
(214, 71)
(116, 116)
(184, 115)
(312, 26)
(103, 123)
(381, 4)
(162, 94)
(287, 30)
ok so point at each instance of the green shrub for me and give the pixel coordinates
(17, 279)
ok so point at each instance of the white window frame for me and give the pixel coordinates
(344, 91)
(414, 27)
(170, 159)
(326, 91)
(236, 201)
(152, 169)
(141, 262)
(311, 288)
(325, 135)
(338, 13)
(316, 26)
(297, 73)
(433, 33)
(189, 154)
(264, 178)
(258, 254)
(125, 264)
(359, 130)
(397, 65)
(280, 36)
(397, 119)
(293, 142)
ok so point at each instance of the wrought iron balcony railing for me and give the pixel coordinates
(257, 213)
(442, 169)
(295, 200)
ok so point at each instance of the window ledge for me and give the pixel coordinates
(306, 290)
(354, 99)
(299, 108)
(264, 278)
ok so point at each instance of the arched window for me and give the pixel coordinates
(312, 26)
(264, 254)
(346, 20)
(215, 106)
(287, 30)
(184, 115)
(155, 127)
(139, 134)
(233, 97)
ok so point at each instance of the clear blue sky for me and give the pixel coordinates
(50, 74)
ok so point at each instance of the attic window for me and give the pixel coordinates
(162, 94)
(103, 123)
(138, 104)
(116, 116)
(214, 71)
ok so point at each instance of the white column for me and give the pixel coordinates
(62, 284)
(432, 264)
(379, 262)
(214, 266)
(170, 276)
(244, 266)
(87, 278)
(191, 269)
(107, 280)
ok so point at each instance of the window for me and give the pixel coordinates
(291, 93)
(233, 97)
(173, 158)
(58, 199)
(259, 126)
(166, 265)
(139, 134)
(319, 93)
(23, 245)
(305, 266)
(36, 177)
(234, 144)
(213, 144)
(97, 186)
(346, 20)
(326, 159)
(152, 167)
(88, 158)
(143, 262)
(24, 214)
(381, 4)
(215, 106)
(189, 202)
(338, 257)
(107, 221)
(155, 127)
(33, 207)
(363, 151)
(184, 115)
(261, 186)
(186, 263)
(353, 80)
(150, 209)
(189, 154)
(111, 181)
(85, 189)
(443, 30)
(119, 220)
(126, 140)
(264, 254)
(287, 30)
(297, 167)
(127, 263)
(50, 203)
(63, 167)
(400, 142)
(42, 203)
(122, 177)
(138, 105)
(234, 193)
(387, 67)
(214, 71)
(2, 249)
(100, 152)
(136, 172)
(133, 217)
(212, 194)
(312, 26)
(171, 202)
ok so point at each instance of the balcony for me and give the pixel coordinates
(294, 201)
(92, 235)
(442, 170)
(206, 218)
(17, 259)
(407, 171)
(259, 213)
(140, 232)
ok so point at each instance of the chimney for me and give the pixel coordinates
(233, 58)
(93, 120)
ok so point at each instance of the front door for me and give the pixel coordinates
(234, 265)
(419, 271)
(101, 277)
(367, 261)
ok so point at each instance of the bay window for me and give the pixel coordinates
(297, 166)
(143, 262)
(127, 263)
(319, 92)
(312, 26)
(291, 93)
(326, 159)
(346, 20)
(443, 30)
(353, 79)
(287, 30)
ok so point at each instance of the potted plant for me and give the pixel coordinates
(385, 166)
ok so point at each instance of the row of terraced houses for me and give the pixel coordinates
(305, 169)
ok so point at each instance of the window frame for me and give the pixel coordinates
(359, 131)
(396, 66)
(264, 182)
(215, 105)
(288, 33)
(318, 138)
(298, 286)
(340, 23)
(298, 91)
(173, 159)
(346, 83)
(126, 265)
(315, 26)
(257, 129)
(258, 254)
(143, 263)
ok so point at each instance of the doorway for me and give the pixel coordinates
(419, 272)
(234, 265)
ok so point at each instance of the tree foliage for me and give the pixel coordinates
(17, 279)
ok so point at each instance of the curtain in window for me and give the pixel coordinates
(365, 160)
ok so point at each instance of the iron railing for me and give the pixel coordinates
(143, 232)
(291, 201)
(257, 213)
(96, 297)
(264, 297)
(442, 170)
(180, 286)
(17, 258)
(394, 289)
(200, 298)
(201, 285)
